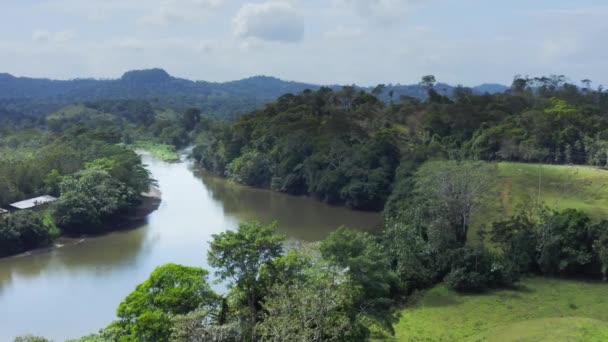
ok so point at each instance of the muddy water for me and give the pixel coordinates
(74, 290)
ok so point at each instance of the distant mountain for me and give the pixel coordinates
(144, 83)
(490, 88)
(156, 84)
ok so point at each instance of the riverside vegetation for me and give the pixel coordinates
(454, 218)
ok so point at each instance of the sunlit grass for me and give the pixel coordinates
(159, 151)
(540, 310)
(561, 186)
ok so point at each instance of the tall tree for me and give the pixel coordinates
(454, 190)
(239, 255)
(145, 314)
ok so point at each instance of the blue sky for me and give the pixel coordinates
(321, 41)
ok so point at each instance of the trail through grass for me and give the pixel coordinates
(561, 186)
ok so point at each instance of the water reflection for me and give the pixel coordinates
(299, 217)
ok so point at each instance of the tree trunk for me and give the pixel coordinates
(251, 299)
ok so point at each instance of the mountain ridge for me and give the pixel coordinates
(157, 82)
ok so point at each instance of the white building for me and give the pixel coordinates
(33, 202)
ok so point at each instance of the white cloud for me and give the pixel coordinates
(382, 11)
(168, 12)
(130, 44)
(344, 33)
(271, 21)
(58, 37)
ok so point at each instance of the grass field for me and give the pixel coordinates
(561, 187)
(159, 151)
(540, 310)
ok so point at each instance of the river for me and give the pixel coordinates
(74, 290)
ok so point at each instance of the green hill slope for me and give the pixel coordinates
(540, 310)
(561, 187)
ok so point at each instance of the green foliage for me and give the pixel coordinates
(600, 247)
(146, 313)
(31, 338)
(318, 306)
(159, 151)
(191, 118)
(565, 242)
(452, 191)
(413, 259)
(476, 269)
(556, 242)
(21, 231)
(239, 255)
(197, 326)
(332, 145)
(365, 262)
(517, 239)
(91, 197)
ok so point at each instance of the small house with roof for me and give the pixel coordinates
(33, 203)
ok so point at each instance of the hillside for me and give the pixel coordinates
(24, 96)
(540, 309)
(158, 83)
(143, 84)
(561, 187)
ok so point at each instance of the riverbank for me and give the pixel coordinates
(132, 219)
(162, 152)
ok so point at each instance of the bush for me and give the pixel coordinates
(21, 231)
(464, 280)
(476, 269)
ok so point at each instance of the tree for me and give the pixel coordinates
(31, 228)
(565, 242)
(586, 84)
(21, 231)
(453, 190)
(316, 308)
(199, 326)
(52, 182)
(600, 246)
(377, 91)
(75, 213)
(191, 118)
(239, 255)
(412, 257)
(92, 196)
(171, 289)
(517, 238)
(365, 262)
(428, 82)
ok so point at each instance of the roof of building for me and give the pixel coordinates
(33, 202)
(3, 211)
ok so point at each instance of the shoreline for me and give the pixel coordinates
(151, 201)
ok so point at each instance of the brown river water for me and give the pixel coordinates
(74, 290)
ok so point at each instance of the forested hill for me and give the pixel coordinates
(348, 147)
(141, 84)
(221, 99)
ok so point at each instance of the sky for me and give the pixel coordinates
(366, 42)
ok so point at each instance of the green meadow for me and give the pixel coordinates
(561, 187)
(540, 309)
